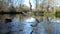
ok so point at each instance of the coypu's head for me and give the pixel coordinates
(8, 20)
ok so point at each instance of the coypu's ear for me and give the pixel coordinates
(8, 20)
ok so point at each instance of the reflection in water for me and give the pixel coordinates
(56, 26)
(17, 26)
(27, 25)
(23, 26)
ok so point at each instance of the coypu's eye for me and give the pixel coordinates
(8, 20)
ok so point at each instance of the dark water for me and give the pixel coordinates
(23, 26)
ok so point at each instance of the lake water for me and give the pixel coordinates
(23, 26)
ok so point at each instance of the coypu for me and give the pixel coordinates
(8, 20)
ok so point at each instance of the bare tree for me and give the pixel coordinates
(3, 5)
(37, 4)
(30, 5)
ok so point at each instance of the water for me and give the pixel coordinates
(23, 26)
(56, 26)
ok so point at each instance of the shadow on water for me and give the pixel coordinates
(29, 26)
